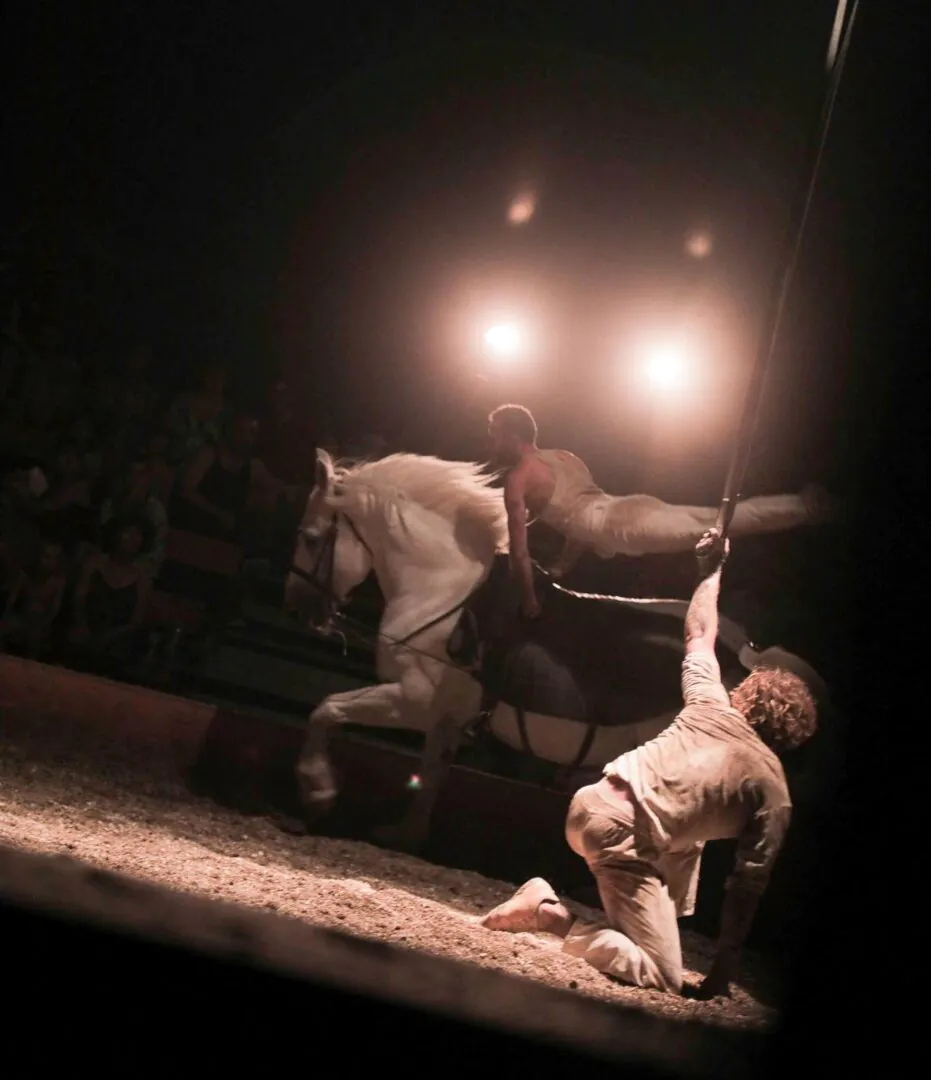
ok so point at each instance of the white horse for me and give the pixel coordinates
(430, 530)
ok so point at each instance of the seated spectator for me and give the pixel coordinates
(220, 482)
(151, 472)
(18, 532)
(143, 490)
(34, 601)
(111, 596)
(196, 420)
(65, 508)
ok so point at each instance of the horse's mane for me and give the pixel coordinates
(448, 488)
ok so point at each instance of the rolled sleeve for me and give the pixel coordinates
(758, 846)
(701, 680)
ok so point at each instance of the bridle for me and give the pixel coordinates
(325, 562)
(323, 584)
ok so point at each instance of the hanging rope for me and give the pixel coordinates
(791, 246)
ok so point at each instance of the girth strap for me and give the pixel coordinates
(522, 728)
(507, 667)
(587, 741)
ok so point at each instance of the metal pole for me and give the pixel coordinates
(785, 268)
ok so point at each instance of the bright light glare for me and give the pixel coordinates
(667, 367)
(505, 339)
(699, 244)
(522, 209)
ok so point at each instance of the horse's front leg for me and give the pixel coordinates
(374, 706)
(440, 747)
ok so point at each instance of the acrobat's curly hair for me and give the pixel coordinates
(779, 706)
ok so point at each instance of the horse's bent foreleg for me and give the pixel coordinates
(382, 705)
(316, 779)
(376, 706)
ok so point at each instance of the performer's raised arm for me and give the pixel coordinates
(521, 563)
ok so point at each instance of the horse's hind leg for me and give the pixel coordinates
(440, 747)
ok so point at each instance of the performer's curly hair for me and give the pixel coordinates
(778, 706)
(517, 420)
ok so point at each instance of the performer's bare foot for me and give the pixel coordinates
(533, 907)
(553, 917)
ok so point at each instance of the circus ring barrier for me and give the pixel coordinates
(247, 762)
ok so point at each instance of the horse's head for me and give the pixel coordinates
(330, 557)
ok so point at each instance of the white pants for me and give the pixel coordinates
(643, 525)
(638, 940)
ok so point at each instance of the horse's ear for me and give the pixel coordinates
(325, 473)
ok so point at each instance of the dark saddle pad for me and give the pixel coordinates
(599, 660)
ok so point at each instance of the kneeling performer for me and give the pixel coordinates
(712, 774)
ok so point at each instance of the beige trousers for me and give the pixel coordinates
(638, 939)
(644, 525)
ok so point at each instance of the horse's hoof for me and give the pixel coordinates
(398, 838)
(315, 808)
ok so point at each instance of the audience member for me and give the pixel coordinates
(222, 479)
(144, 489)
(34, 600)
(18, 531)
(111, 596)
(196, 420)
(151, 472)
(66, 508)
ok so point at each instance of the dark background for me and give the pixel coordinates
(317, 195)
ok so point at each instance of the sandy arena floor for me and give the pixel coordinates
(165, 835)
